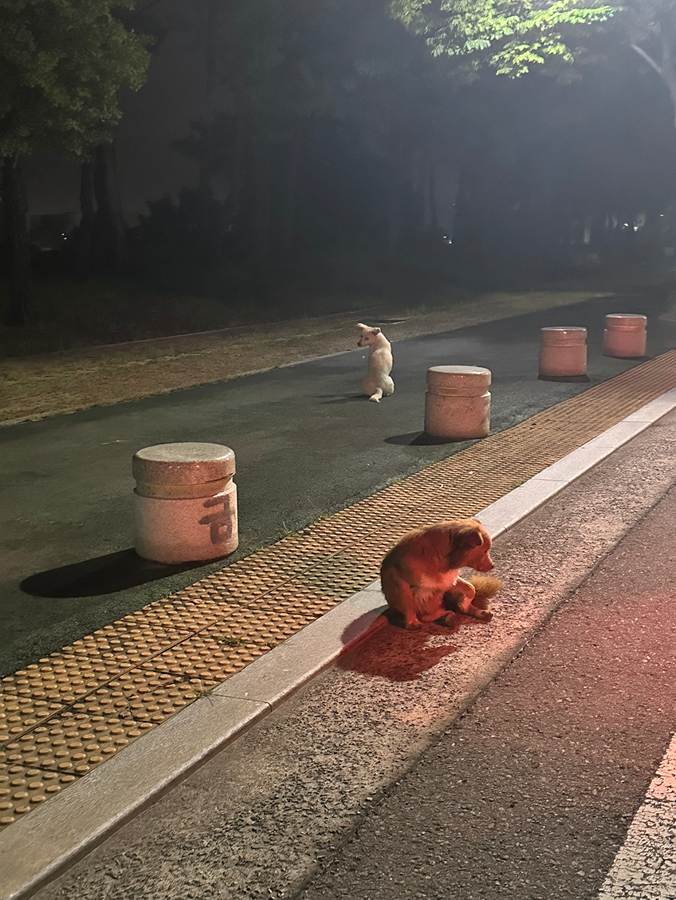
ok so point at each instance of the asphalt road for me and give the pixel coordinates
(529, 795)
(371, 783)
(307, 444)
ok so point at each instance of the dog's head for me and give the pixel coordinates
(468, 545)
(368, 335)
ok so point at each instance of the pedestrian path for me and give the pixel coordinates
(65, 715)
(529, 794)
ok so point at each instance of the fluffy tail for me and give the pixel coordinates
(486, 586)
(378, 393)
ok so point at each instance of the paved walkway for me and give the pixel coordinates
(565, 722)
(529, 794)
(68, 713)
(307, 446)
(72, 715)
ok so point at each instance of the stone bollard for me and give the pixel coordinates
(185, 502)
(625, 335)
(457, 402)
(563, 351)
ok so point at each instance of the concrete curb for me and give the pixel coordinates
(37, 848)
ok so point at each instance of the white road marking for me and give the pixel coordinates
(645, 866)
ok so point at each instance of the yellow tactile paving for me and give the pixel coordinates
(22, 789)
(67, 713)
(75, 741)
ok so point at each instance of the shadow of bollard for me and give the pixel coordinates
(101, 575)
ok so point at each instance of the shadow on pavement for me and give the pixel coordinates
(343, 398)
(566, 379)
(418, 439)
(399, 655)
(102, 575)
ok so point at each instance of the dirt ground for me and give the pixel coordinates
(51, 384)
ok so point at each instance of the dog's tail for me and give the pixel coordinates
(376, 395)
(486, 586)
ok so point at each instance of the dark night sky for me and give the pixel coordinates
(149, 168)
(154, 116)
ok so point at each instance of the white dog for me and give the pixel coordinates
(377, 383)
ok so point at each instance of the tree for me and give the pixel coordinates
(300, 87)
(509, 36)
(651, 27)
(62, 66)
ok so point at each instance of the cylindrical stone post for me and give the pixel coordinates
(625, 335)
(563, 352)
(458, 402)
(185, 502)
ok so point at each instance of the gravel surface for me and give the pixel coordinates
(284, 802)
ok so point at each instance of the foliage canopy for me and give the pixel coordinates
(510, 36)
(62, 64)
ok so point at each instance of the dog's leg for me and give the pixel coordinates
(435, 609)
(376, 395)
(400, 597)
(460, 601)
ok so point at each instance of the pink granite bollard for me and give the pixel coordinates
(563, 352)
(185, 502)
(458, 402)
(625, 335)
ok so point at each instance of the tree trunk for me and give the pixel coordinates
(15, 206)
(262, 206)
(289, 210)
(669, 63)
(110, 220)
(669, 79)
(204, 207)
(88, 212)
(432, 195)
(467, 228)
(395, 206)
(667, 68)
(418, 172)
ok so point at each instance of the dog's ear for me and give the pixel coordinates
(362, 326)
(375, 329)
(470, 537)
(462, 541)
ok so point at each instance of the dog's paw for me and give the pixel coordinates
(450, 620)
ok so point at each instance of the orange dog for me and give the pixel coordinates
(420, 575)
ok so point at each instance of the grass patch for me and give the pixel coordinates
(37, 386)
(70, 315)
